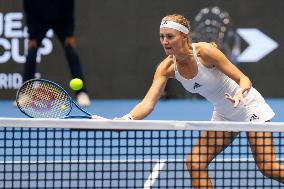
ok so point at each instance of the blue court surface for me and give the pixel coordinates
(124, 172)
(191, 110)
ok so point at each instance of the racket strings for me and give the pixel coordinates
(43, 99)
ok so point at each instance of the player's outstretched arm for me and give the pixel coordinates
(146, 106)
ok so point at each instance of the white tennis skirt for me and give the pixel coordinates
(253, 109)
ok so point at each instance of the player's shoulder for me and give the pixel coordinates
(166, 66)
(167, 62)
(205, 49)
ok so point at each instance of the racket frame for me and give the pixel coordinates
(72, 102)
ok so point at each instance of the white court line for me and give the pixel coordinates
(154, 174)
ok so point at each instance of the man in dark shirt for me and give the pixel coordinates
(42, 15)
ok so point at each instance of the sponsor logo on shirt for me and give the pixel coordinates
(196, 85)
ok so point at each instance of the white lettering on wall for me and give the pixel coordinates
(13, 39)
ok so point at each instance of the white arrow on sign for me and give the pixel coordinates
(259, 45)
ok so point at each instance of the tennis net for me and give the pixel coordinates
(77, 153)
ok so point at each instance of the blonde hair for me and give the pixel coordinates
(178, 19)
(181, 20)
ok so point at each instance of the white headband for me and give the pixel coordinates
(174, 25)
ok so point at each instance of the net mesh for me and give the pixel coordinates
(161, 157)
(42, 99)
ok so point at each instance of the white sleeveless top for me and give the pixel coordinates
(212, 84)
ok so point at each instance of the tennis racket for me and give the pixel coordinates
(40, 98)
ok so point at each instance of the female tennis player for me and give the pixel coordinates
(202, 68)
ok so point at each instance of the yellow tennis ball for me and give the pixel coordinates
(63, 107)
(76, 84)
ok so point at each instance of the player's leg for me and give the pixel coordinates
(30, 64)
(37, 32)
(68, 42)
(209, 145)
(263, 150)
(73, 58)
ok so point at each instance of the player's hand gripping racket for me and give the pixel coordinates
(40, 98)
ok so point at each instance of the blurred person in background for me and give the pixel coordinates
(58, 15)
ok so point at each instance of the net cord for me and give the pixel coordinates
(141, 124)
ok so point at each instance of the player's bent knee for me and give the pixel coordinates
(32, 44)
(270, 170)
(194, 163)
(70, 41)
